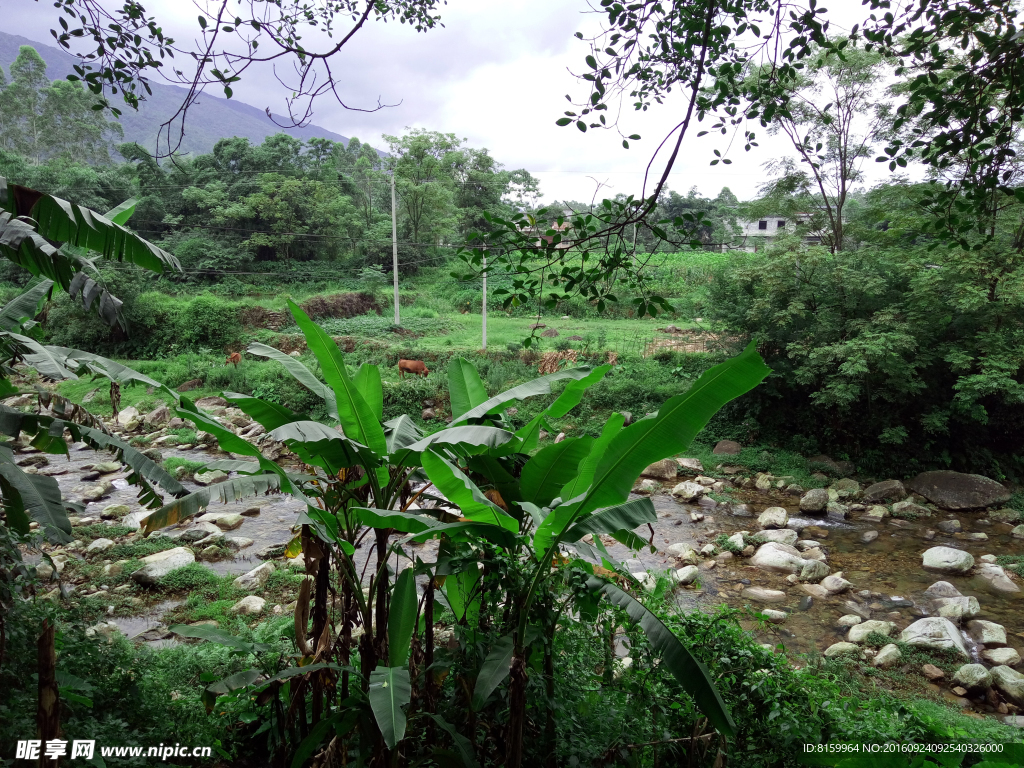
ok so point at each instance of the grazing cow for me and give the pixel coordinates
(234, 358)
(412, 366)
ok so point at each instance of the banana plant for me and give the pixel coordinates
(55, 240)
(581, 487)
(490, 488)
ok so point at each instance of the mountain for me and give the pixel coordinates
(209, 120)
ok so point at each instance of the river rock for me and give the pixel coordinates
(99, 545)
(784, 536)
(1001, 656)
(684, 552)
(665, 469)
(773, 616)
(973, 677)
(1018, 532)
(956, 490)
(835, 583)
(249, 606)
(859, 632)
(105, 630)
(210, 477)
(115, 511)
(885, 491)
(988, 633)
(815, 500)
(934, 632)
(647, 485)
(686, 575)
(693, 466)
(848, 620)
(868, 536)
(910, 509)
(932, 672)
(744, 510)
(773, 517)
(837, 511)
(688, 491)
(211, 402)
(887, 656)
(815, 590)
(157, 417)
(128, 415)
(942, 589)
(763, 595)
(727, 447)
(237, 542)
(777, 558)
(159, 565)
(813, 571)
(1010, 683)
(255, 578)
(958, 607)
(229, 522)
(949, 526)
(839, 649)
(997, 578)
(947, 560)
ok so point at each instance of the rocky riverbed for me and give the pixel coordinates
(825, 570)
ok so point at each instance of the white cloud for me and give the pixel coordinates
(495, 74)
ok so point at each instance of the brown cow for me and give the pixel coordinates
(235, 358)
(412, 366)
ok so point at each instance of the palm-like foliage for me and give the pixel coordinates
(489, 494)
(31, 223)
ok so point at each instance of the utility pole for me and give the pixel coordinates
(394, 245)
(485, 300)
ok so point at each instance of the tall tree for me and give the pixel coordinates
(26, 96)
(837, 114)
(424, 166)
(74, 129)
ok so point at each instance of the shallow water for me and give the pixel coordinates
(890, 566)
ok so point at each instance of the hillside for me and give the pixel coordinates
(210, 120)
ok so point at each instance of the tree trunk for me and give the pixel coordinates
(517, 710)
(48, 713)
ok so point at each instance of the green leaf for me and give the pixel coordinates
(39, 357)
(220, 637)
(71, 223)
(402, 618)
(547, 472)
(300, 373)
(35, 497)
(229, 491)
(269, 415)
(401, 433)
(676, 658)
(573, 393)
(403, 522)
(465, 388)
(23, 308)
(463, 596)
(539, 386)
(356, 417)
(110, 369)
(463, 441)
(367, 382)
(463, 492)
(585, 473)
(324, 447)
(390, 690)
(121, 213)
(563, 121)
(669, 432)
(622, 517)
(503, 537)
(494, 669)
(462, 744)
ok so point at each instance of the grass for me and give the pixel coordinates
(171, 463)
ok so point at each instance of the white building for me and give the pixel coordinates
(754, 235)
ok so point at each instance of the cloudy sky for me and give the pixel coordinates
(496, 75)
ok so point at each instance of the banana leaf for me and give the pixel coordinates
(269, 415)
(547, 472)
(539, 386)
(355, 415)
(34, 497)
(463, 492)
(622, 517)
(462, 441)
(402, 618)
(465, 388)
(676, 657)
(229, 491)
(367, 382)
(401, 433)
(301, 373)
(18, 313)
(390, 690)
